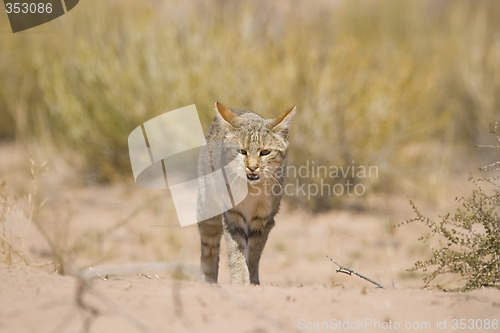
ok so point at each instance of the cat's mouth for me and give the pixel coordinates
(252, 176)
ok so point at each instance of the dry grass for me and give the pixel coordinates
(15, 223)
(400, 85)
(46, 218)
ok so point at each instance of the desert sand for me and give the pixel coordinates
(130, 267)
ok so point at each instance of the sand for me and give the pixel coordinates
(130, 268)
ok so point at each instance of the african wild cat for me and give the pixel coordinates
(259, 146)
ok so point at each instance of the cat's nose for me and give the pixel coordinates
(252, 168)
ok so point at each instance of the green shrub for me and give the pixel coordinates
(466, 243)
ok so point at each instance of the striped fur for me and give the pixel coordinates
(260, 148)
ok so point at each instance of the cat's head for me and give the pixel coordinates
(259, 145)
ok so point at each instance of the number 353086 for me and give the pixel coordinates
(28, 8)
(474, 324)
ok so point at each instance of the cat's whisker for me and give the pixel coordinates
(239, 180)
(272, 177)
(238, 177)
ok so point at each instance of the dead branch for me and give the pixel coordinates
(85, 287)
(349, 271)
(99, 275)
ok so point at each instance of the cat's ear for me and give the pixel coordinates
(282, 122)
(228, 116)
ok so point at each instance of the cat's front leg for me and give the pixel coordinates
(210, 235)
(236, 235)
(257, 238)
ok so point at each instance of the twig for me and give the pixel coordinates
(99, 275)
(491, 166)
(349, 271)
(91, 312)
(127, 316)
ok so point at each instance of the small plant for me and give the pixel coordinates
(468, 241)
(13, 234)
(5, 208)
(14, 229)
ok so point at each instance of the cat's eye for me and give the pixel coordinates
(242, 151)
(264, 152)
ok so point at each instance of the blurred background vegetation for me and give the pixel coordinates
(407, 86)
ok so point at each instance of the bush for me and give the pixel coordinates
(467, 243)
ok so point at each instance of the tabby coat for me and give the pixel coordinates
(259, 146)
